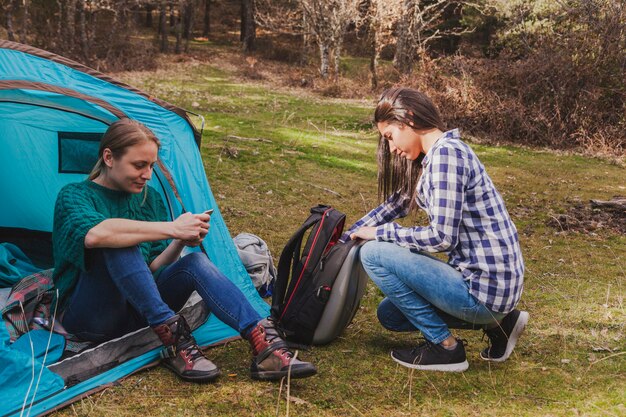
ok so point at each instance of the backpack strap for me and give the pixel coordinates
(290, 257)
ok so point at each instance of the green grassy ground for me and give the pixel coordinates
(571, 359)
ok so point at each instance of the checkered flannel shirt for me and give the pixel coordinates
(468, 221)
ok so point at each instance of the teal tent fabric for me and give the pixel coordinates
(41, 344)
(211, 332)
(14, 264)
(41, 95)
(24, 377)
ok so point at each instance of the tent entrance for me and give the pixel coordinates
(30, 162)
(43, 147)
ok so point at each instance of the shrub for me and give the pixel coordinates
(566, 89)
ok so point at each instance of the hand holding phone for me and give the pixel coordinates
(209, 212)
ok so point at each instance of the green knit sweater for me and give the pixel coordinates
(81, 206)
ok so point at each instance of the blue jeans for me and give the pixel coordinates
(423, 293)
(118, 294)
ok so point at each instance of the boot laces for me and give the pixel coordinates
(273, 332)
(187, 343)
(191, 349)
(195, 353)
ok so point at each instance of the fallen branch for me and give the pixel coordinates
(248, 139)
(614, 203)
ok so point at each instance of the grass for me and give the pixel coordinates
(571, 359)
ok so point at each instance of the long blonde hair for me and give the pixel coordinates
(120, 136)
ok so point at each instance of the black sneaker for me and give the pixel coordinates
(429, 356)
(502, 338)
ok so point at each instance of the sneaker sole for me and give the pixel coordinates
(208, 376)
(450, 367)
(518, 329)
(277, 375)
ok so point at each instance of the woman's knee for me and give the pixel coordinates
(391, 318)
(377, 263)
(116, 260)
(121, 253)
(383, 314)
(370, 253)
(199, 266)
(194, 258)
(196, 262)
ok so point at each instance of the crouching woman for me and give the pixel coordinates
(118, 266)
(421, 164)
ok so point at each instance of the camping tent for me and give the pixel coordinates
(52, 113)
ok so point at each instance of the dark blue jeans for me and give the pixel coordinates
(118, 294)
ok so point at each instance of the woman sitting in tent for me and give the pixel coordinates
(116, 272)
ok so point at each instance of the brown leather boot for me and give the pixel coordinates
(272, 359)
(181, 354)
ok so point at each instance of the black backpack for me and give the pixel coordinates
(306, 278)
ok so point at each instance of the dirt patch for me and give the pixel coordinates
(583, 218)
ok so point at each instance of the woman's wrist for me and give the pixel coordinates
(171, 231)
(179, 243)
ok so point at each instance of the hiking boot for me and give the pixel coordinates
(503, 337)
(181, 354)
(430, 356)
(272, 359)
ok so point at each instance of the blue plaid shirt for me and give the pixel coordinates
(468, 221)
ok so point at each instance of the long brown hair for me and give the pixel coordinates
(120, 136)
(415, 110)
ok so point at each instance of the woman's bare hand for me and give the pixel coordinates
(191, 228)
(365, 233)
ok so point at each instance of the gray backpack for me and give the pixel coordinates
(257, 259)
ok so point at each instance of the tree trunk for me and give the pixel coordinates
(242, 20)
(82, 28)
(120, 14)
(70, 24)
(206, 27)
(163, 28)
(188, 22)
(373, 58)
(172, 14)
(403, 57)
(324, 59)
(337, 57)
(24, 25)
(149, 9)
(60, 26)
(179, 29)
(368, 12)
(248, 26)
(9, 17)
(304, 55)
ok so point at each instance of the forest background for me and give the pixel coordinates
(533, 72)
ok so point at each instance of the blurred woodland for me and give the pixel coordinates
(547, 73)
